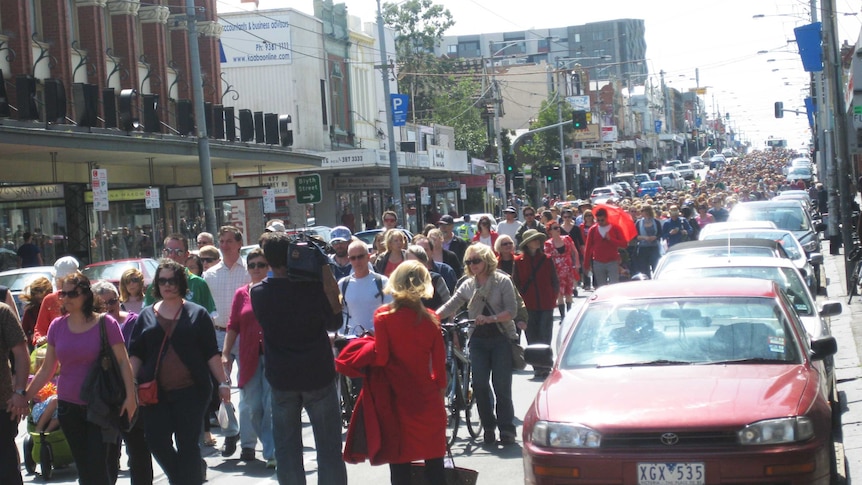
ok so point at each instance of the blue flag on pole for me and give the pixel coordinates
(809, 40)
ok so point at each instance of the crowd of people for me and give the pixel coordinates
(204, 314)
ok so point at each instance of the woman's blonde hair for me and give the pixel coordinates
(390, 235)
(408, 285)
(36, 290)
(484, 253)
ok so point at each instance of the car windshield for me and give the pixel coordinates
(681, 331)
(788, 242)
(19, 281)
(718, 251)
(800, 171)
(785, 217)
(110, 271)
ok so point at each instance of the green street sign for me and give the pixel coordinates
(308, 189)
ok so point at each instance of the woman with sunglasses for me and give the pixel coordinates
(177, 337)
(562, 251)
(505, 249)
(132, 290)
(491, 301)
(140, 459)
(74, 342)
(485, 235)
(254, 391)
(194, 264)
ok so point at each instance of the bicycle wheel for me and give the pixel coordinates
(473, 424)
(453, 414)
(345, 390)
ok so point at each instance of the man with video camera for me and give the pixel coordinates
(296, 307)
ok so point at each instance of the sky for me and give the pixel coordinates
(719, 40)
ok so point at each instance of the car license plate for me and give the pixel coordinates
(671, 473)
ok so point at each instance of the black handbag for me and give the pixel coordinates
(454, 475)
(105, 381)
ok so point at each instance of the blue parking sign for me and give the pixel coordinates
(399, 109)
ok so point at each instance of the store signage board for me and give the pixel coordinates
(151, 198)
(100, 189)
(268, 201)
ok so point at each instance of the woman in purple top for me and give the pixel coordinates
(74, 341)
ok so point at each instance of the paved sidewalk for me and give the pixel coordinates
(848, 372)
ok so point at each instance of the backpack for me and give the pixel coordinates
(378, 281)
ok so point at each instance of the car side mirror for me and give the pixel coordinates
(830, 309)
(815, 258)
(823, 347)
(539, 355)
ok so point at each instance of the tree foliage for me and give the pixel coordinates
(544, 147)
(420, 26)
(457, 107)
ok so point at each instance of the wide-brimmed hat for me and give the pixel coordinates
(584, 203)
(510, 209)
(531, 234)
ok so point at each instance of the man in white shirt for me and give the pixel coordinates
(511, 225)
(361, 292)
(223, 280)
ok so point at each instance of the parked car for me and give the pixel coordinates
(670, 180)
(650, 188)
(604, 193)
(789, 215)
(786, 239)
(722, 248)
(728, 226)
(717, 161)
(685, 170)
(800, 173)
(669, 382)
(18, 279)
(642, 177)
(628, 190)
(113, 270)
(696, 162)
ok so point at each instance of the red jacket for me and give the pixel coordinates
(539, 292)
(494, 237)
(603, 249)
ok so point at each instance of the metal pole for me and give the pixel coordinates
(497, 106)
(394, 178)
(200, 123)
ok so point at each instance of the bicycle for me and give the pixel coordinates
(459, 385)
(348, 388)
(856, 275)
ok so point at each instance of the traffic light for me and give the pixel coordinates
(779, 109)
(510, 167)
(579, 120)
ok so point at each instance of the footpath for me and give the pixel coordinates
(848, 332)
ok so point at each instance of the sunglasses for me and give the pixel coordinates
(510, 243)
(135, 279)
(174, 281)
(257, 265)
(175, 252)
(388, 220)
(555, 228)
(69, 294)
(112, 301)
(473, 261)
(529, 214)
(567, 216)
(357, 257)
(209, 260)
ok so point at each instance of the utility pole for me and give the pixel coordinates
(200, 121)
(498, 137)
(394, 177)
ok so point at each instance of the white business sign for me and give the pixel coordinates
(151, 198)
(268, 201)
(100, 189)
(579, 103)
(424, 195)
(255, 40)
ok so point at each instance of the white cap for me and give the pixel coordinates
(65, 266)
(275, 225)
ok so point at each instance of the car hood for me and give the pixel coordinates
(675, 396)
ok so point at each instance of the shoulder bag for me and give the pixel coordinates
(105, 381)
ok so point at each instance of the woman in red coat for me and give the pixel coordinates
(408, 337)
(484, 234)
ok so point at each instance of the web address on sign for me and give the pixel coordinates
(261, 57)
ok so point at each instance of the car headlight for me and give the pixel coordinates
(564, 435)
(774, 431)
(811, 246)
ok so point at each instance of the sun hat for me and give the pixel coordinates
(531, 234)
(340, 234)
(510, 209)
(275, 225)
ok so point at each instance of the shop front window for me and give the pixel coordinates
(45, 220)
(125, 230)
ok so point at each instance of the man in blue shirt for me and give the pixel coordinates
(676, 229)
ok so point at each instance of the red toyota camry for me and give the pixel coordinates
(687, 382)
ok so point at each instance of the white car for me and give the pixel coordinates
(603, 193)
(670, 180)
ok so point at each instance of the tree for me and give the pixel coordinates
(459, 108)
(420, 26)
(544, 148)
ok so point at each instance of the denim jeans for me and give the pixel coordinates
(491, 359)
(323, 411)
(178, 417)
(606, 273)
(95, 460)
(233, 425)
(10, 469)
(255, 413)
